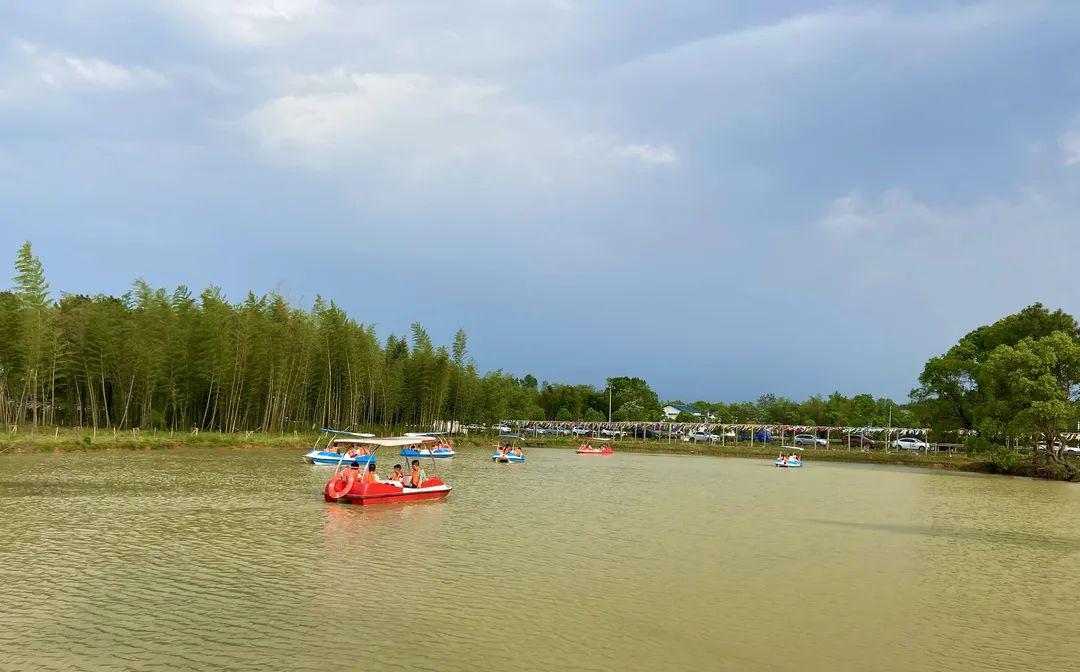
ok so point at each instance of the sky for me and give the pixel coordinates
(725, 198)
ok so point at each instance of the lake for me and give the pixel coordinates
(230, 559)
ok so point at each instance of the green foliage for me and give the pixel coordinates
(950, 396)
(593, 415)
(629, 390)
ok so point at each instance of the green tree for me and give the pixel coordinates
(1030, 388)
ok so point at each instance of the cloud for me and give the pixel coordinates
(33, 70)
(257, 22)
(649, 153)
(1069, 144)
(896, 212)
(419, 124)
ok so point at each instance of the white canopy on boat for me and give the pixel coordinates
(388, 441)
(425, 433)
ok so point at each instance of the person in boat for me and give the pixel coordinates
(398, 476)
(416, 476)
(370, 476)
(517, 452)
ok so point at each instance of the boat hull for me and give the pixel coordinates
(437, 454)
(362, 494)
(784, 464)
(595, 452)
(508, 459)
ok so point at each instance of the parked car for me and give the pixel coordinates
(809, 440)
(612, 432)
(561, 431)
(860, 441)
(701, 436)
(474, 427)
(579, 431)
(910, 443)
(504, 429)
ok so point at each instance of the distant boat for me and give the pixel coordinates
(587, 449)
(506, 452)
(338, 447)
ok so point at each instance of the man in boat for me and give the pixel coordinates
(416, 478)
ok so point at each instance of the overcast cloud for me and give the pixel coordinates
(727, 198)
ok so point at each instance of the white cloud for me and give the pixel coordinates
(257, 22)
(1069, 144)
(646, 153)
(895, 213)
(420, 124)
(33, 70)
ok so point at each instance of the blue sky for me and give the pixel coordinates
(726, 198)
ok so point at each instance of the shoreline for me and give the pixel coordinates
(82, 441)
(76, 441)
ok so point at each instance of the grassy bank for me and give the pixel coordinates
(74, 440)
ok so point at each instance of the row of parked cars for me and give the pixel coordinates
(863, 441)
(855, 440)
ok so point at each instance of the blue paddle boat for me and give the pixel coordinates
(342, 448)
(506, 452)
(788, 464)
(443, 449)
(507, 458)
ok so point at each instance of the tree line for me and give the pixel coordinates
(174, 360)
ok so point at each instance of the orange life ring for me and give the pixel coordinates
(341, 483)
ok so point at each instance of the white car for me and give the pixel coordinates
(809, 440)
(910, 443)
(612, 432)
(700, 436)
(504, 429)
(580, 431)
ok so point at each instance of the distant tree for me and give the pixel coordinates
(593, 415)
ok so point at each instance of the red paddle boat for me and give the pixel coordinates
(587, 449)
(349, 485)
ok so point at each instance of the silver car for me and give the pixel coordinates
(809, 440)
(910, 443)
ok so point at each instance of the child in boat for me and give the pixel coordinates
(398, 476)
(370, 476)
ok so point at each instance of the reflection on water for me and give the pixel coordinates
(230, 559)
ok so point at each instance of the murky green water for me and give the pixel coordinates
(230, 560)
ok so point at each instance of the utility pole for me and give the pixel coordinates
(609, 401)
(888, 431)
